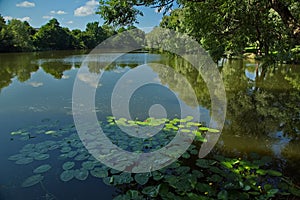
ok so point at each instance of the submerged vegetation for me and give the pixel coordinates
(190, 177)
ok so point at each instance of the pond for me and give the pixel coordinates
(42, 156)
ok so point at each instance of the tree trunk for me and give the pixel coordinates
(287, 18)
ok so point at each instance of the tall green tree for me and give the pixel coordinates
(272, 26)
(53, 36)
(5, 36)
(21, 35)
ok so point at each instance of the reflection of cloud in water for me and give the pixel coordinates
(70, 111)
(156, 79)
(38, 108)
(89, 79)
(65, 77)
(35, 84)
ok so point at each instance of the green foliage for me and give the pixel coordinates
(223, 27)
(52, 36)
(20, 36)
(15, 36)
(190, 178)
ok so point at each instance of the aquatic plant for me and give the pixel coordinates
(189, 177)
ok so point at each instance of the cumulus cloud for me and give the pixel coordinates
(35, 84)
(25, 4)
(24, 19)
(88, 9)
(89, 79)
(7, 18)
(70, 22)
(59, 12)
(47, 17)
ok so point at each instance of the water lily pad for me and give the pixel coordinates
(157, 175)
(123, 178)
(151, 191)
(50, 132)
(42, 169)
(67, 175)
(88, 165)
(24, 161)
(82, 156)
(42, 157)
(142, 178)
(65, 149)
(16, 157)
(53, 146)
(68, 165)
(81, 174)
(33, 154)
(99, 172)
(32, 180)
(71, 154)
(63, 156)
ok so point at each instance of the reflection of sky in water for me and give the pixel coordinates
(279, 144)
(250, 75)
(134, 58)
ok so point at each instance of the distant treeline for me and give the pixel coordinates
(18, 36)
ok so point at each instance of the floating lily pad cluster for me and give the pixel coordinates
(216, 178)
(46, 128)
(170, 127)
(187, 178)
(79, 163)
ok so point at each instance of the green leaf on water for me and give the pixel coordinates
(274, 173)
(99, 172)
(223, 195)
(151, 191)
(142, 178)
(42, 169)
(68, 165)
(32, 180)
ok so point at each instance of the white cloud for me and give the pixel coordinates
(24, 19)
(35, 84)
(89, 79)
(25, 4)
(7, 18)
(59, 12)
(88, 9)
(47, 17)
(65, 77)
(70, 22)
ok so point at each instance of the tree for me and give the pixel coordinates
(53, 36)
(21, 35)
(5, 36)
(272, 26)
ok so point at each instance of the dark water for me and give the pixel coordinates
(263, 112)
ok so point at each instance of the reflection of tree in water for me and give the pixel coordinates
(96, 67)
(21, 65)
(258, 106)
(16, 65)
(266, 105)
(174, 82)
(56, 68)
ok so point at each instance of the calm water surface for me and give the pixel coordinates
(263, 112)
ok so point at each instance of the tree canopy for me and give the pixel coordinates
(270, 27)
(16, 35)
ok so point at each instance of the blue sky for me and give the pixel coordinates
(70, 13)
